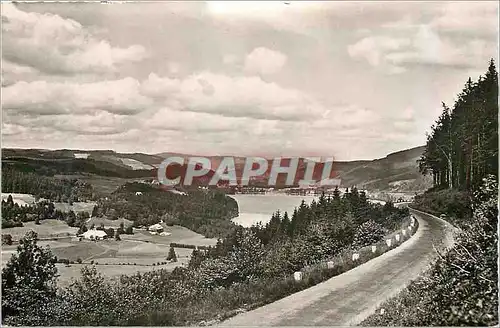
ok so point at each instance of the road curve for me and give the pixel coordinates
(349, 298)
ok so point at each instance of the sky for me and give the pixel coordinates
(352, 80)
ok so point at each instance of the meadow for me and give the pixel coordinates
(139, 252)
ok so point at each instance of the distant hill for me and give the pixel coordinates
(397, 172)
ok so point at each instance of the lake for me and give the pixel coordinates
(259, 208)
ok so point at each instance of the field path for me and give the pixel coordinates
(349, 298)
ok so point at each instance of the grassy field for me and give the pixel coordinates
(20, 199)
(179, 235)
(108, 223)
(28, 199)
(139, 252)
(46, 229)
(71, 272)
(76, 207)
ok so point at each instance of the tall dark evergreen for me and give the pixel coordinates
(462, 147)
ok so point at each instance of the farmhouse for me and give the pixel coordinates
(94, 234)
(158, 228)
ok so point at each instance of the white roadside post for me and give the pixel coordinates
(403, 232)
(388, 242)
(374, 248)
(397, 237)
(355, 256)
(297, 276)
(329, 264)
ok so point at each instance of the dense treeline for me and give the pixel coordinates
(54, 166)
(250, 266)
(462, 148)
(13, 215)
(58, 190)
(314, 232)
(208, 212)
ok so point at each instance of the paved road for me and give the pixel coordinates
(349, 298)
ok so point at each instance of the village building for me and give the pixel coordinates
(157, 228)
(94, 234)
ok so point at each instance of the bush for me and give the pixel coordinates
(368, 233)
(176, 245)
(456, 205)
(6, 239)
(171, 255)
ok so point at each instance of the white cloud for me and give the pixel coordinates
(373, 48)
(264, 61)
(202, 92)
(423, 46)
(456, 34)
(46, 98)
(54, 44)
(463, 16)
(231, 96)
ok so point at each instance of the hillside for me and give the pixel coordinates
(397, 172)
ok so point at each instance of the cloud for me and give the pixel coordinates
(241, 96)
(12, 72)
(480, 17)
(374, 48)
(203, 92)
(424, 46)
(49, 98)
(264, 61)
(57, 45)
(454, 34)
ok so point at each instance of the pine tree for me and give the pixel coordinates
(171, 255)
(462, 147)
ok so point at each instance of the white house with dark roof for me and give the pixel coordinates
(94, 234)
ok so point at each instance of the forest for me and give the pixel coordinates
(250, 266)
(58, 190)
(462, 147)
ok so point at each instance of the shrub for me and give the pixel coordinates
(6, 239)
(455, 204)
(368, 233)
(29, 278)
(171, 255)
